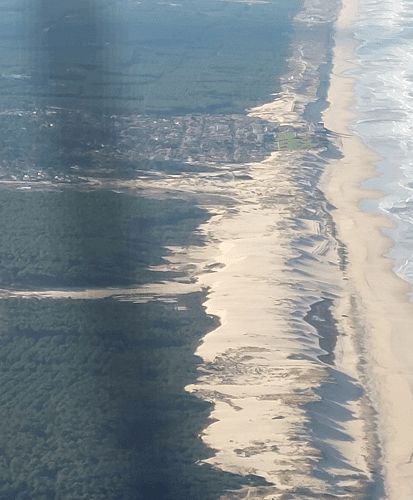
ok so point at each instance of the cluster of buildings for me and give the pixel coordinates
(197, 138)
(60, 144)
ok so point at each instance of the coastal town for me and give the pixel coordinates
(60, 144)
(232, 138)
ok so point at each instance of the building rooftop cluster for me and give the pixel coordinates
(197, 138)
(59, 144)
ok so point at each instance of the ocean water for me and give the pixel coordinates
(384, 106)
(174, 322)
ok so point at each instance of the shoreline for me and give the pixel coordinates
(387, 314)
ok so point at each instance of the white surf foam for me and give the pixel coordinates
(385, 112)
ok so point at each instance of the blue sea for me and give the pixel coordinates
(174, 321)
(384, 75)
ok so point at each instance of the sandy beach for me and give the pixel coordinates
(383, 312)
(193, 305)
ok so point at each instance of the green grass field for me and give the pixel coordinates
(288, 141)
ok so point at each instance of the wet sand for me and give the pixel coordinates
(383, 314)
